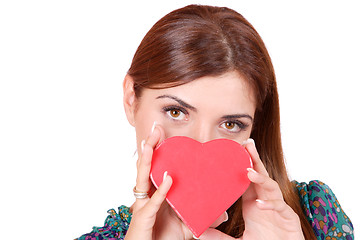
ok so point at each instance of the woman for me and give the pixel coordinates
(204, 72)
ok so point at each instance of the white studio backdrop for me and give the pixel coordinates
(66, 149)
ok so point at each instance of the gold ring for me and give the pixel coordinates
(140, 195)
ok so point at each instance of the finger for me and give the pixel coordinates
(257, 163)
(284, 210)
(213, 234)
(265, 187)
(222, 218)
(145, 216)
(153, 205)
(144, 166)
(143, 183)
(156, 136)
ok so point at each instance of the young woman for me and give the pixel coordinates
(204, 72)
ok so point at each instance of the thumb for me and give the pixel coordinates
(213, 234)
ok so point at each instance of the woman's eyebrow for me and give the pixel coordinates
(181, 102)
(235, 116)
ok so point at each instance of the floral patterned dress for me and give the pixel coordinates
(319, 203)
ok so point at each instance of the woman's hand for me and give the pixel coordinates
(146, 211)
(152, 217)
(265, 212)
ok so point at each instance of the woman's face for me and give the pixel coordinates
(204, 109)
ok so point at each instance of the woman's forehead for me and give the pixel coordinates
(225, 91)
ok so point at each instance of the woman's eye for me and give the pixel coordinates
(231, 126)
(176, 114)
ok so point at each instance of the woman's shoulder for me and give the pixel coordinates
(115, 226)
(324, 211)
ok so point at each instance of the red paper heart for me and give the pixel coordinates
(207, 177)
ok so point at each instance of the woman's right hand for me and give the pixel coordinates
(152, 217)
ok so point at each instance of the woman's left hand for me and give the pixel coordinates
(265, 213)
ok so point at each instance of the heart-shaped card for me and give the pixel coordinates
(207, 177)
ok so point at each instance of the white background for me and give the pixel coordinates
(66, 148)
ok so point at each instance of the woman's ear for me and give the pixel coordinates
(129, 99)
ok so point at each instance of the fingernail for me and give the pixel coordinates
(194, 237)
(252, 170)
(165, 175)
(153, 127)
(250, 140)
(260, 201)
(226, 217)
(142, 145)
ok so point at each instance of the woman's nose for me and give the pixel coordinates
(202, 133)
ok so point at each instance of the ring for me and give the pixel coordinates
(140, 195)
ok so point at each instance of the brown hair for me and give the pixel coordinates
(197, 41)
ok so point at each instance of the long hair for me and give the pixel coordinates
(197, 41)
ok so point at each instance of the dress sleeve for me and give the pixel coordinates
(324, 212)
(115, 226)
